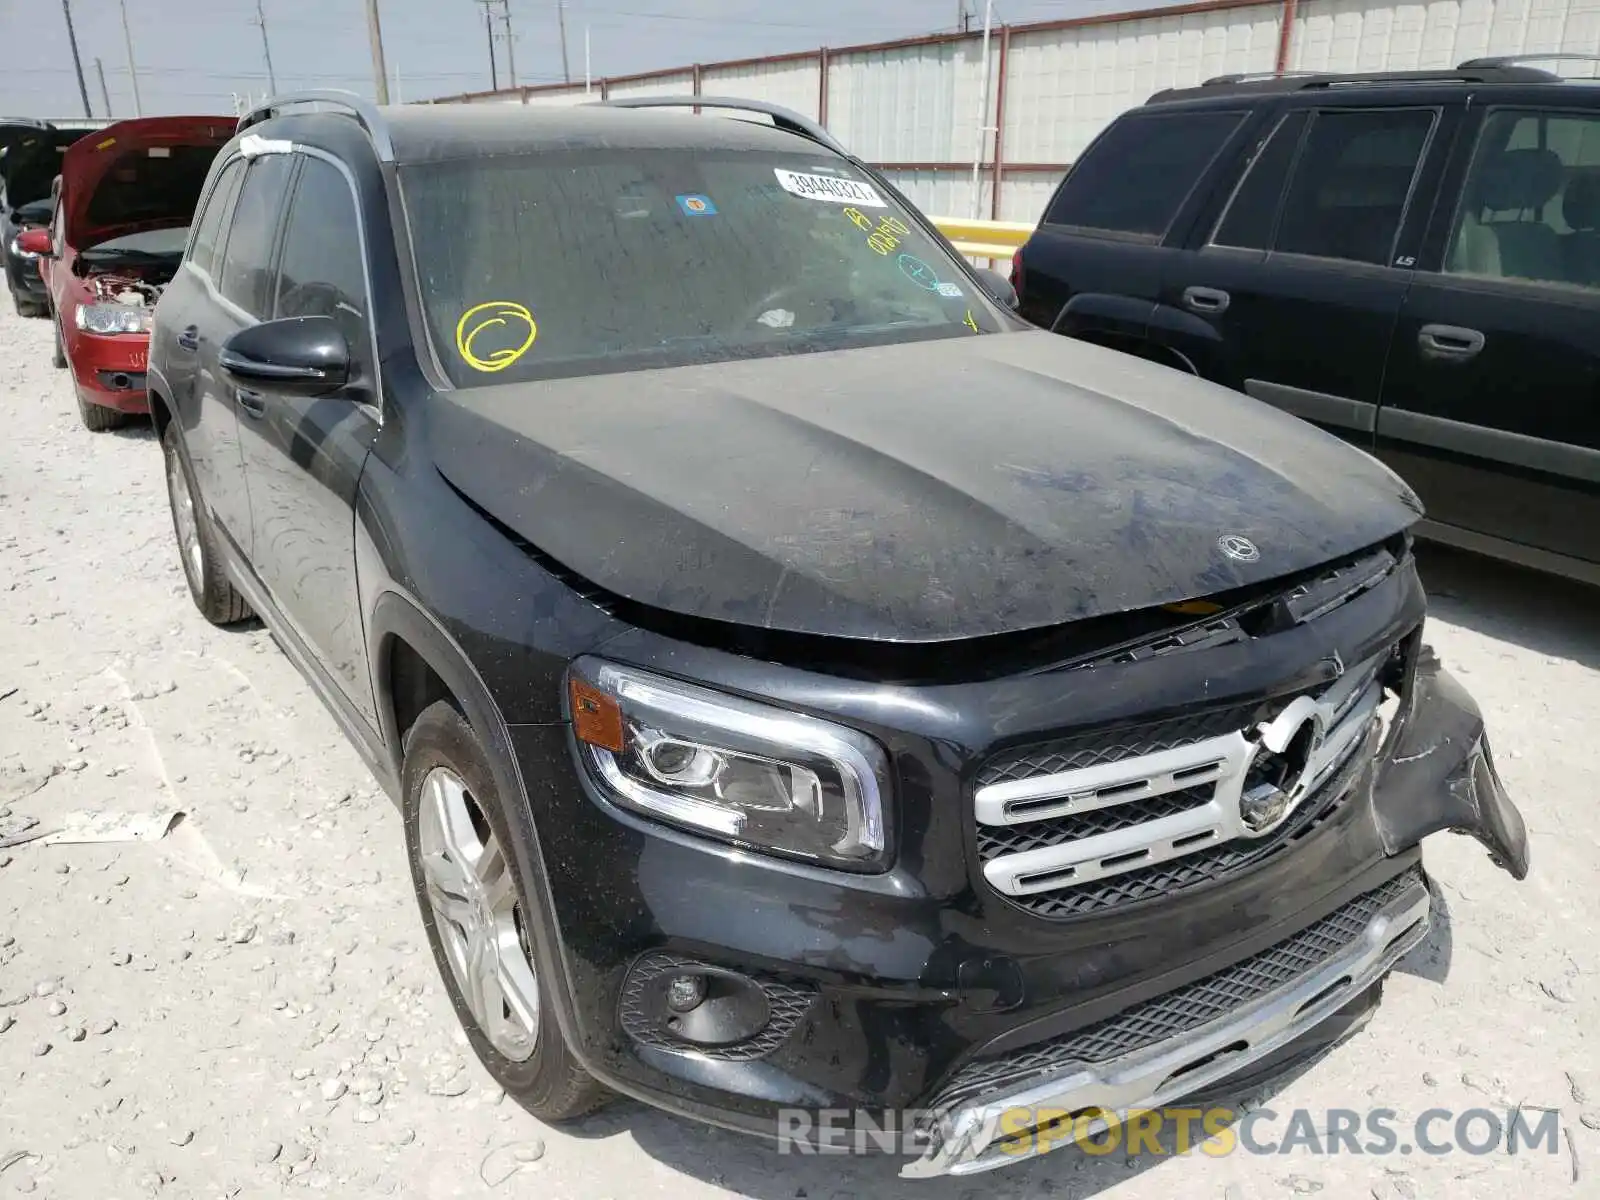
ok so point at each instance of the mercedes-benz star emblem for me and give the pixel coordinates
(1277, 780)
(1240, 549)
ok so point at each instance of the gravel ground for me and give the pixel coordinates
(248, 1006)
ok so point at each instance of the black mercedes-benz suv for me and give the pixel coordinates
(804, 685)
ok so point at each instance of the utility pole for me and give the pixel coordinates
(133, 74)
(100, 70)
(511, 44)
(77, 63)
(561, 16)
(266, 48)
(488, 29)
(380, 73)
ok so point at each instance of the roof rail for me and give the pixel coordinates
(365, 113)
(1252, 77)
(1511, 60)
(783, 118)
(1273, 83)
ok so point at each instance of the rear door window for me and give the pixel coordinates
(1134, 179)
(1352, 182)
(1248, 221)
(1530, 210)
(247, 262)
(207, 230)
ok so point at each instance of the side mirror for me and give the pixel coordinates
(35, 242)
(998, 286)
(302, 356)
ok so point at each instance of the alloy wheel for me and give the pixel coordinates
(186, 523)
(473, 896)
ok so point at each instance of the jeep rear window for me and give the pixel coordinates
(586, 261)
(1137, 175)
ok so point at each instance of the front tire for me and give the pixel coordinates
(478, 920)
(97, 418)
(210, 588)
(58, 356)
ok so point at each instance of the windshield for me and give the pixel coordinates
(153, 243)
(540, 265)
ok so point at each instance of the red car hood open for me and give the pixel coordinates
(137, 175)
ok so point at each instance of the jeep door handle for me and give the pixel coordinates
(1449, 341)
(254, 404)
(189, 338)
(1205, 300)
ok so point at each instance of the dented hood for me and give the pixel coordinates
(138, 175)
(913, 493)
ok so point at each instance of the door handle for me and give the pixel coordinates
(1205, 300)
(1449, 341)
(253, 403)
(189, 338)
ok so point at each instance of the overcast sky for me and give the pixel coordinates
(192, 55)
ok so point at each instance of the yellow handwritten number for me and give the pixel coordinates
(482, 317)
(970, 323)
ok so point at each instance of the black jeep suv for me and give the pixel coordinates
(804, 684)
(1410, 260)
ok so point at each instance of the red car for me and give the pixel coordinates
(123, 204)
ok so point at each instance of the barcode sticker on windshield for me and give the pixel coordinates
(825, 187)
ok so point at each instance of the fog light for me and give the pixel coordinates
(685, 992)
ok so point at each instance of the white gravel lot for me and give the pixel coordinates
(248, 1007)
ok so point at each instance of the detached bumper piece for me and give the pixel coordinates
(1176, 1045)
(1439, 774)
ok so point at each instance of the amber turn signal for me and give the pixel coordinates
(596, 717)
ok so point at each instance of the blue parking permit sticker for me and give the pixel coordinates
(697, 206)
(949, 289)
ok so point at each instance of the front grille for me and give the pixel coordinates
(994, 840)
(1082, 824)
(1109, 745)
(1193, 870)
(1186, 1009)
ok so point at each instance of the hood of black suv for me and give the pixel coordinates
(912, 493)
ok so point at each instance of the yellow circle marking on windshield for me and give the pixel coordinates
(482, 317)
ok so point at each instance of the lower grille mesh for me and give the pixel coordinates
(1188, 1007)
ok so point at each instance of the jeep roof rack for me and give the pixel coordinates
(784, 118)
(365, 113)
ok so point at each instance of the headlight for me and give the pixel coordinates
(743, 772)
(113, 318)
(20, 252)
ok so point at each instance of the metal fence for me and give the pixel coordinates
(918, 108)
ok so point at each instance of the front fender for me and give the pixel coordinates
(1440, 774)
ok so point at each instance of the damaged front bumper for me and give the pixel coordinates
(1436, 772)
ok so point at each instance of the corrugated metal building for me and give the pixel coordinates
(913, 106)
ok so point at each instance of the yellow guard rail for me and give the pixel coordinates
(984, 239)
